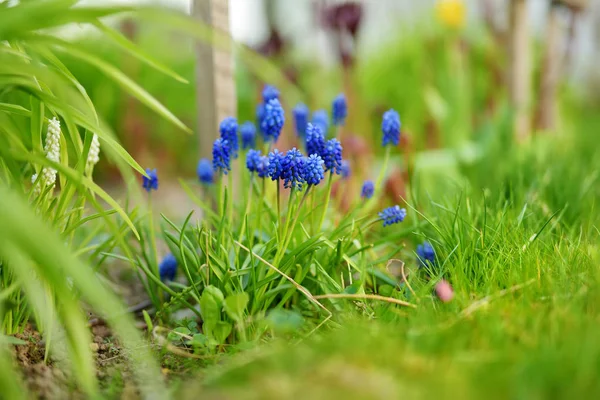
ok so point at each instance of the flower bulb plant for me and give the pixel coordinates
(278, 243)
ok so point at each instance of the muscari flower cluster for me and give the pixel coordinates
(339, 110)
(301, 119)
(390, 126)
(150, 182)
(167, 268)
(321, 119)
(248, 135)
(392, 215)
(228, 129)
(368, 189)
(52, 151)
(425, 254)
(93, 154)
(205, 172)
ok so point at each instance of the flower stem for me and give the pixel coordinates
(230, 196)
(245, 216)
(326, 206)
(383, 170)
(260, 206)
(278, 210)
(290, 231)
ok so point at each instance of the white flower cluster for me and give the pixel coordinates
(52, 150)
(93, 154)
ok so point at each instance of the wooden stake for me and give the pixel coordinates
(520, 71)
(551, 67)
(215, 85)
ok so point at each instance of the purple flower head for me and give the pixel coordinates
(301, 119)
(392, 215)
(221, 156)
(262, 168)
(228, 129)
(315, 140)
(332, 156)
(367, 190)
(270, 92)
(292, 169)
(272, 121)
(275, 168)
(253, 160)
(339, 109)
(321, 119)
(167, 268)
(313, 171)
(205, 171)
(151, 182)
(345, 169)
(248, 135)
(425, 254)
(390, 126)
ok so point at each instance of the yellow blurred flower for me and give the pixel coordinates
(451, 13)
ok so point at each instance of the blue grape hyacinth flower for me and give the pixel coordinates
(269, 92)
(205, 171)
(392, 215)
(368, 189)
(272, 121)
(275, 168)
(253, 160)
(151, 181)
(221, 156)
(228, 129)
(315, 140)
(321, 119)
(345, 169)
(167, 268)
(262, 168)
(248, 135)
(332, 156)
(292, 168)
(260, 114)
(301, 119)
(425, 254)
(339, 109)
(390, 126)
(313, 171)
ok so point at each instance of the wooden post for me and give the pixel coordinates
(551, 66)
(520, 71)
(215, 85)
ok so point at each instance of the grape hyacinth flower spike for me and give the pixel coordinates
(275, 168)
(272, 121)
(270, 92)
(332, 156)
(345, 169)
(392, 215)
(248, 135)
(228, 129)
(339, 110)
(167, 268)
(253, 160)
(221, 156)
(205, 171)
(150, 182)
(301, 119)
(321, 119)
(390, 126)
(52, 150)
(425, 254)
(368, 189)
(292, 169)
(313, 170)
(315, 140)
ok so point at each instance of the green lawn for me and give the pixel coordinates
(520, 245)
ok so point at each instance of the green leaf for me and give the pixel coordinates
(198, 340)
(7, 339)
(221, 331)
(135, 51)
(284, 321)
(211, 303)
(235, 305)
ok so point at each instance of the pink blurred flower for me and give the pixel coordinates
(444, 291)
